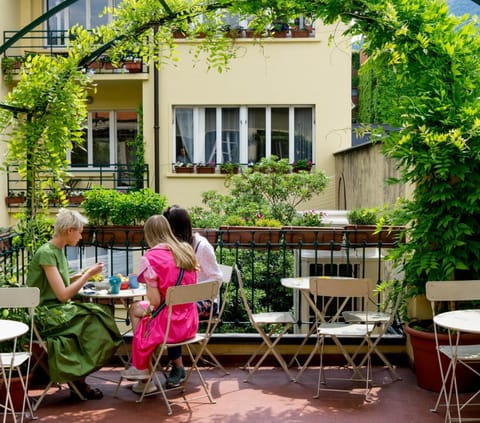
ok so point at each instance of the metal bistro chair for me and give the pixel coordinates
(345, 290)
(270, 326)
(20, 298)
(465, 355)
(217, 318)
(177, 295)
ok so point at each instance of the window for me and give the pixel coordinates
(87, 13)
(109, 140)
(242, 134)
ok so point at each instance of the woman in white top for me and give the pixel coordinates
(181, 225)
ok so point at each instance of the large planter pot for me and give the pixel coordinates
(425, 359)
(244, 236)
(16, 392)
(313, 237)
(360, 235)
(114, 235)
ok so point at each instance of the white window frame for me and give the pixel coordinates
(199, 131)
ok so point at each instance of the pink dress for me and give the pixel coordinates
(157, 269)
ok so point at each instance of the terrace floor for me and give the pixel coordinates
(269, 397)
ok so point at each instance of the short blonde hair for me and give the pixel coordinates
(68, 219)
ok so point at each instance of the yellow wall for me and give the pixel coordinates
(281, 72)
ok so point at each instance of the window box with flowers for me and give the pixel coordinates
(206, 167)
(133, 64)
(302, 164)
(183, 167)
(15, 198)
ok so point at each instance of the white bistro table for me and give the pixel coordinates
(125, 297)
(10, 330)
(455, 322)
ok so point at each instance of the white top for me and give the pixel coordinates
(461, 320)
(124, 293)
(209, 269)
(10, 329)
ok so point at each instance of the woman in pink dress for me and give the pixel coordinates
(160, 268)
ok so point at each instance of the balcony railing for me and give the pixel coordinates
(83, 178)
(56, 42)
(263, 261)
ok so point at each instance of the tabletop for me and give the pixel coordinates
(296, 283)
(461, 320)
(103, 293)
(10, 329)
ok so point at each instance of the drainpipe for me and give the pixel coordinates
(156, 126)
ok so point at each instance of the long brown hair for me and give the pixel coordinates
(157, 231)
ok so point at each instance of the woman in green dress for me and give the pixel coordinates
(81, 337)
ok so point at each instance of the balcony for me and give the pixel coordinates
(122, 177)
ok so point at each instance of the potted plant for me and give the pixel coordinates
(302, 164)
(205, 167)
(133, 64)
(117, 218)
(10, 64)
(15, 197)
(229, 168)
(279, 29)
(181, 167)
(369, 226)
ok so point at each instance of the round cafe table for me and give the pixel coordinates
(10, 329)
(125, 297)
(455, 322)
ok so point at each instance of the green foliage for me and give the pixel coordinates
(111, 207)
(363, 216)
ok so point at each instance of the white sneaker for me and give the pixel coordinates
(134, 374)
(140, 386)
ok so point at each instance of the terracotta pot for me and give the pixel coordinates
(184, 169)
(205, 169)
(14, 200)
(243, 236)
(426, 364)
(16, 392)
(300, 33)
(313, 237)
(133, 67)
(114, 235)
(358, 235)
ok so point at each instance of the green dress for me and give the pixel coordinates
(81, 337)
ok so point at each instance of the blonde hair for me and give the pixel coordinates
(68, 219)
(157, 231)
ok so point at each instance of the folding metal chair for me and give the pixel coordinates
(383, 316)
(345, 290)
(270, 325)
(466, 355)
(217, 318)
(177, 295)
(19, 298)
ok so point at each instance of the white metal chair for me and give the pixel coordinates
(344, 290)
(383, 315)
(217, 318)
(20, 298)
(177, 295)
(269, 325)
(465, 355)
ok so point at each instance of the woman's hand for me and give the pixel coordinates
(93, 270)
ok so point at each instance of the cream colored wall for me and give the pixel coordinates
(283, 72)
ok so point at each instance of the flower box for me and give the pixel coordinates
(364, 235)
(184, 169)
(205, 169)
(313, 237)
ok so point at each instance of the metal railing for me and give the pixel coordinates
(263, 262)
(122, 177)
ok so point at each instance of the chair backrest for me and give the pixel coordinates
(226, 272)
(241, 288)
(19, 297)
(453, 290)
(183, 294)
(344, 289)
